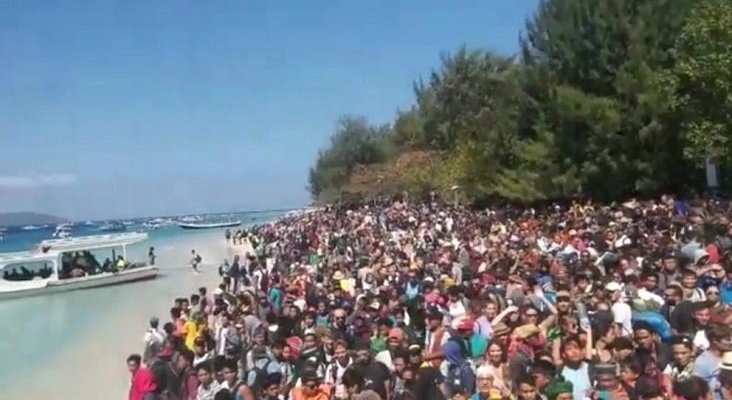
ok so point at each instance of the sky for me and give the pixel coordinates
(127, 108)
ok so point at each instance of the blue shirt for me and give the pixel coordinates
(706, 367)
(725, 292)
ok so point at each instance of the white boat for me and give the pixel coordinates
(62, 231)
(41, 271)
(150, 225)
(31, 228)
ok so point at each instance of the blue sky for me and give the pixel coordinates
(134, 108)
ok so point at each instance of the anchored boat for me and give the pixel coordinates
(211, 225)
(59, 265)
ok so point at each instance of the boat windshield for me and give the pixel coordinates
(75, 264)
(27, 270)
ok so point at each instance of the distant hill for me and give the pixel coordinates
(28, 218)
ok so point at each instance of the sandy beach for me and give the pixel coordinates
(103, 348)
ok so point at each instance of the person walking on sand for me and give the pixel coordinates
(195, 260)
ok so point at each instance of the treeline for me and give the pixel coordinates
(606, 99)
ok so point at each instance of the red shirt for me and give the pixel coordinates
(143, 382)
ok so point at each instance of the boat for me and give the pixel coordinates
(62, 231)
(209, 225)
(191, 218)
(112, 227)
(31, 228)
(42, 269)
(150, 225)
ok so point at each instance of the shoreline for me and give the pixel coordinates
(103, 346)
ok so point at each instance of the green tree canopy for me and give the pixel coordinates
(607, 99)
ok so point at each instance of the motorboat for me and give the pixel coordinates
(62, 231)
(150, 225)
(112, 227)
(31, 228)
(209, 225)
(58, 265)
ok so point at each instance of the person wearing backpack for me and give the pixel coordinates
(262, 366)
(165, 375)
(460, 373)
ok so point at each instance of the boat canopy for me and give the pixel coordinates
(11, 258)
(82, 243)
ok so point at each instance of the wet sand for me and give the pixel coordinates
(92, 365)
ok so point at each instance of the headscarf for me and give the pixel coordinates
(453, 353)
(557, 387)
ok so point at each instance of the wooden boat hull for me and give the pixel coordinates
(85, 282)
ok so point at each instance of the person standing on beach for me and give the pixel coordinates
(154, 340)
(151, 256)
(187, 377)
(195, 260)
(143, 385)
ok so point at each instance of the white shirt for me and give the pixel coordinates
(340, 389)
(622, 315)
(456, 309)
(154, 336)
(385, 357)
(154, 340)
(647, 295)
(700, 340)
(221, 333)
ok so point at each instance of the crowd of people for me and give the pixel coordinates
(423, 300)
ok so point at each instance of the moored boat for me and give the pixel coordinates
(210, 225)
(63, 231)
(58, 265)
(113, 227)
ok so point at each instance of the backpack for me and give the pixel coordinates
(165, 378)
(456, 379)
(198, 258)
(260, 376)
(235, 390)
(233, 348)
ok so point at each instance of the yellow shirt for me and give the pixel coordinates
(191, 332)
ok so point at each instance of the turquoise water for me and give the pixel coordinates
(37, 328)
(16, 239)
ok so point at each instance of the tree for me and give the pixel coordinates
(702, 80)
(354, 142)
(592, 99)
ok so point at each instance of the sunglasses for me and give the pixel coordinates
(563, 300)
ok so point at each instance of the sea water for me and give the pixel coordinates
(34, 329)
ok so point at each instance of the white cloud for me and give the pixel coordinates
(36, 181)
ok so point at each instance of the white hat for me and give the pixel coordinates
(726, 363)
(613, 286)
(218, 291)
